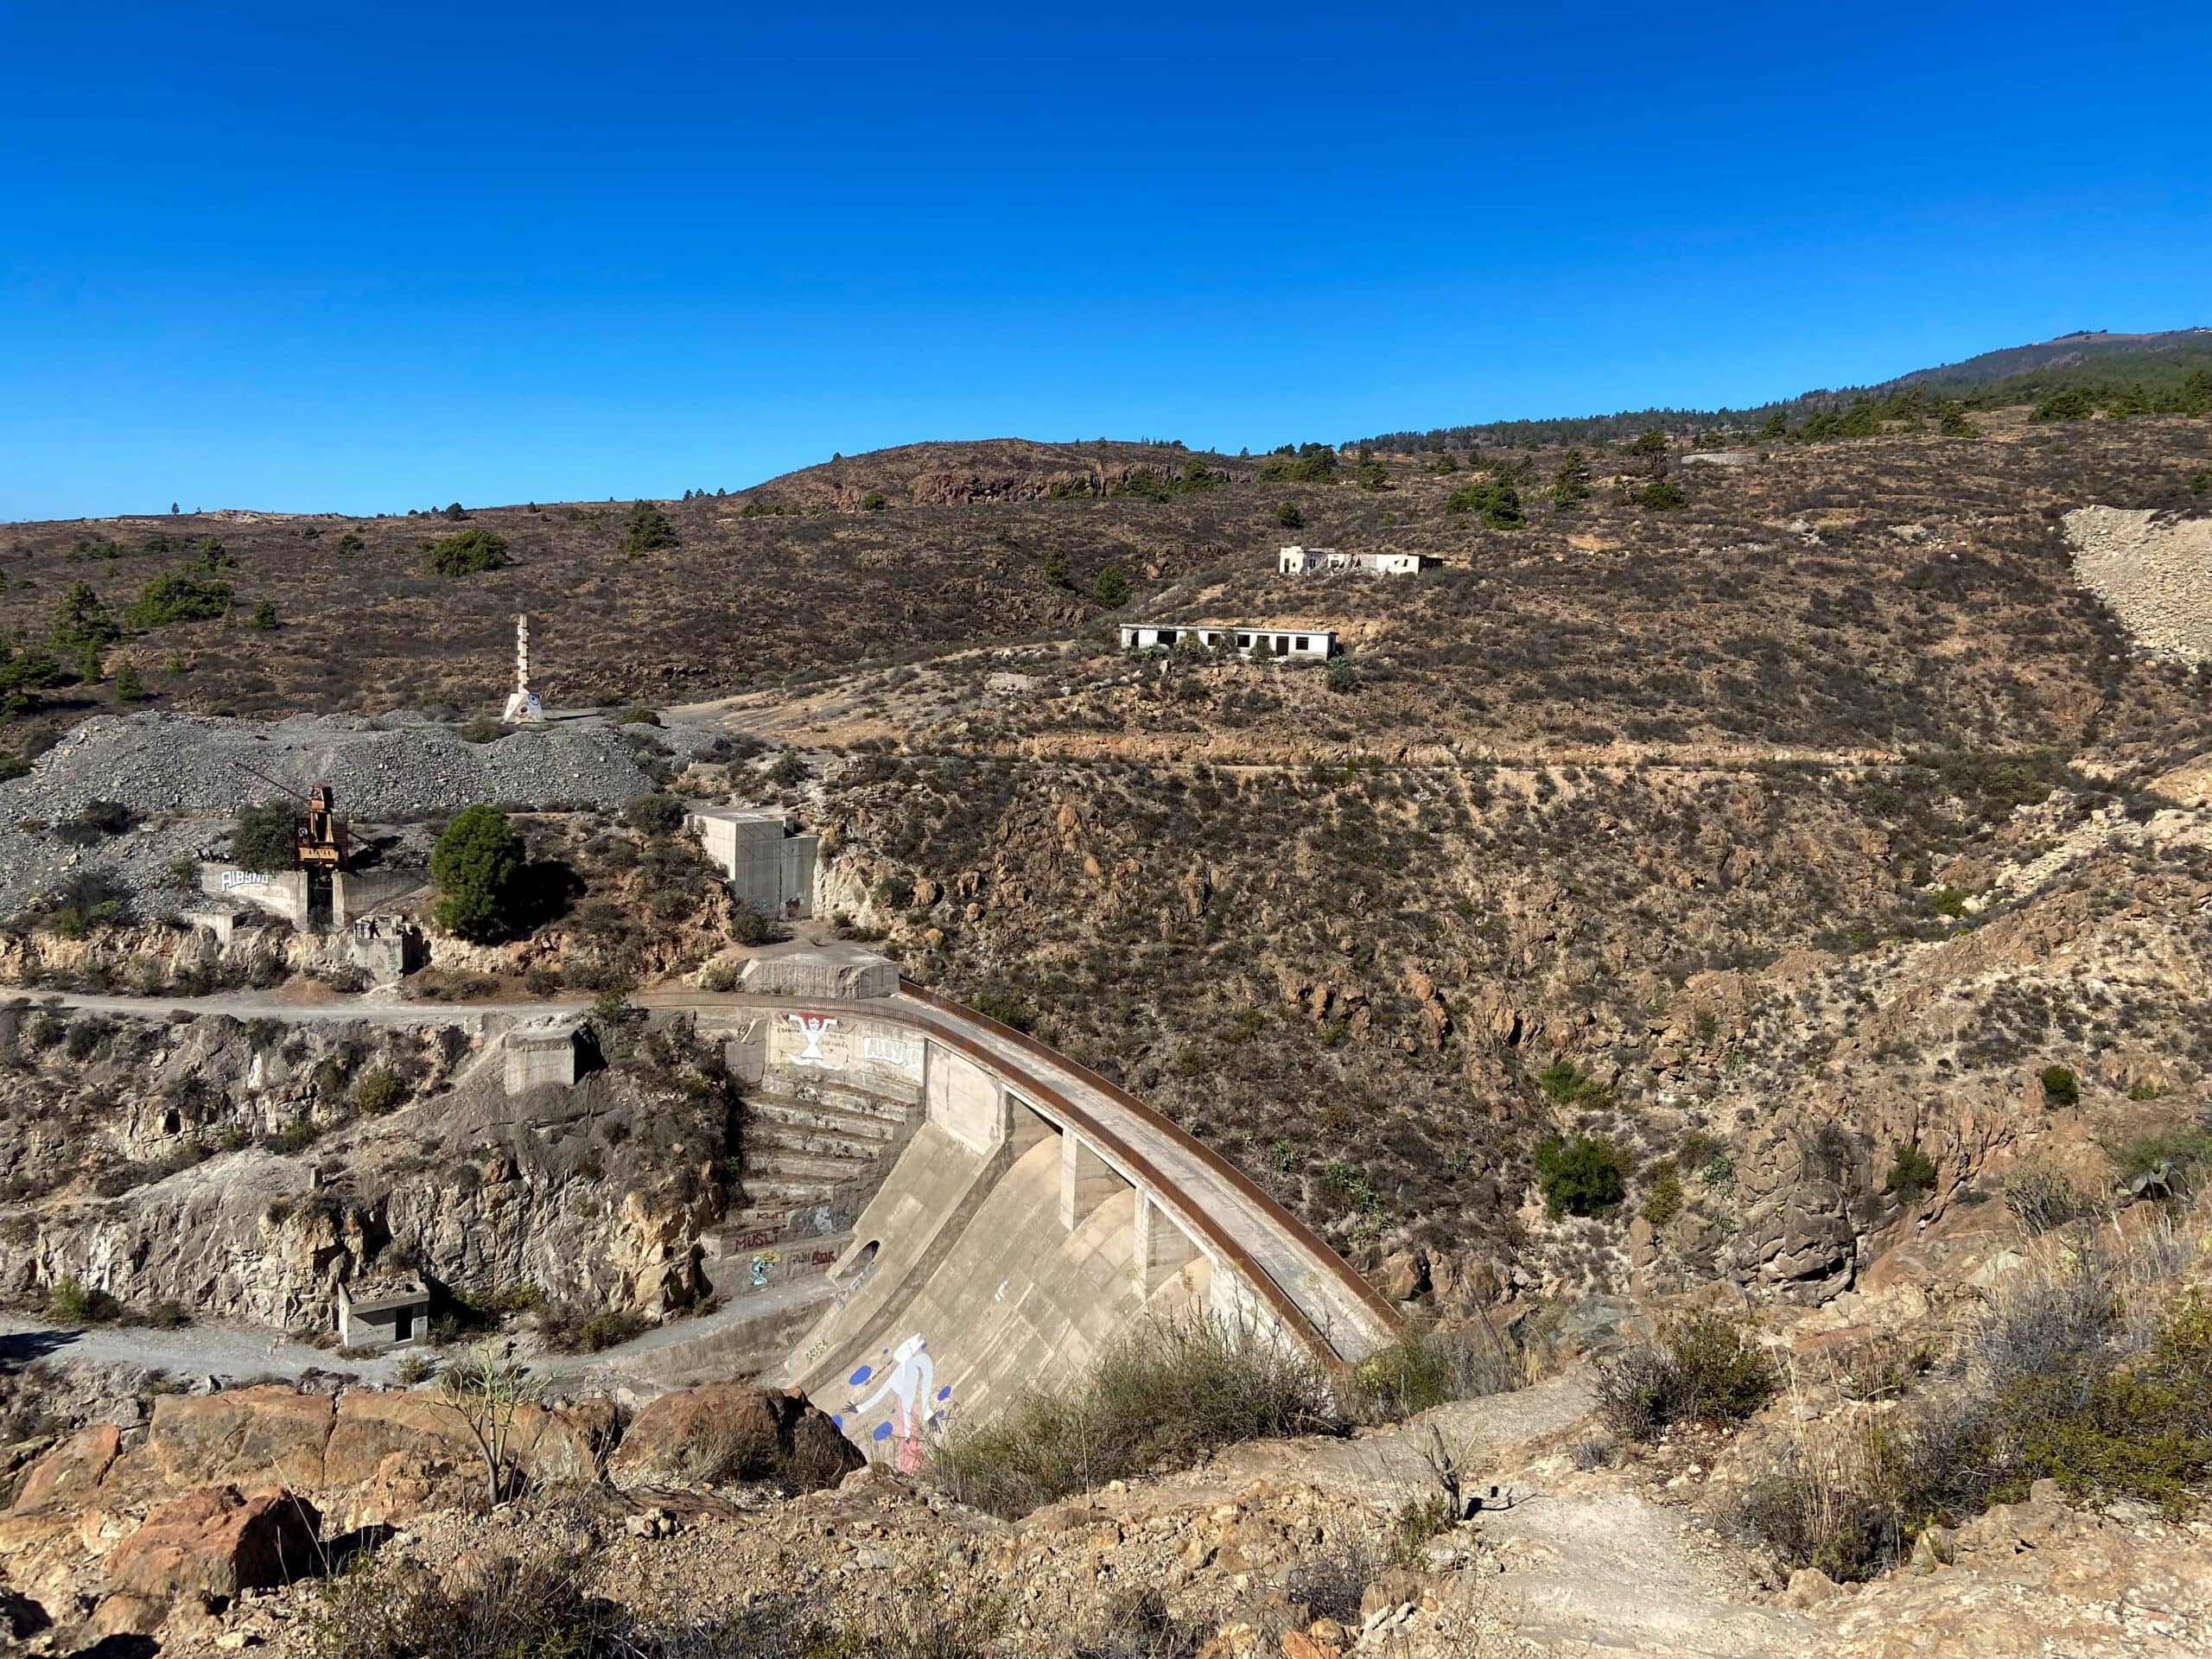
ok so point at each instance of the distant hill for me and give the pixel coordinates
(2119, 356)
(2093, 360)
(949, 474)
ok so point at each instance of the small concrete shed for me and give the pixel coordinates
(379, 1313)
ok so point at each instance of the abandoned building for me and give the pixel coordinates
(388, 947)
(769, 867)
(556, 1049)
(1292, 641)
(383, 1312)
(1320, 561)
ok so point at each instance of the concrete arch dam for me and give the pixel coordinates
(1006, 1214)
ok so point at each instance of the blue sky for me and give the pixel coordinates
(373, 257)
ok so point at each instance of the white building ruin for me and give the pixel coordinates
(1293, 639)
(1325, 561)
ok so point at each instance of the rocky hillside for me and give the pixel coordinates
(244, 1170)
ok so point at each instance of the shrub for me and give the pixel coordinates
(468, 552)
(2178, 1152)
(1911, 1175)
(1568, 1085)
(1305, 463)
(1494, 499)
(649, 529)
(264, 839)
(129, 688)
(378, 1091)
(1664, 1201)
(263, 617)
(1586, 1176)
(2061, 1087)
(82, 901)
(1110, 588)
(1006, 1006)
(1570, 481)
(23, 674)
(96, 821)
(1419, 1367)
(174, 596)
(2045, 1196)
(1700, 1368)
(1162, 1397)
(2074, 403)
(475, 867)
(485, 728)
(654, 814)
(81, 621)
(1288, 516)
(1342, 675)
(790, 769)
(498, 1607)
(74, 1302)
(573, 1331)
(875, 501)
(748, 926)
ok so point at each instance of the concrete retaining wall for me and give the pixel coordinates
(283, 893)
(355, 894)
(965, 1101)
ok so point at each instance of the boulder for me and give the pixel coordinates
(271, 1435)
(215, 1543)
(66, 1477)
(728, 1431)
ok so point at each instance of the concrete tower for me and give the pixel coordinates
(522, 705)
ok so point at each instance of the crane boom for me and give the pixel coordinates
(271, 782)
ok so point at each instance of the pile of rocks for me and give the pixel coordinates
(2155, 572)
(183, 777)
(384, 768)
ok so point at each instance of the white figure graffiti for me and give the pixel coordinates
(813, 1027)
(916, 1404)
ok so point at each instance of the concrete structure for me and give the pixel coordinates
(281, 893)
(387, 948)
(1291, 640)
(838, 971)
(768, 867)
(354, 894)
(290, 894)
(1319, 561)
(522, 707)
(383, 1313)
(558, 1049)
(1023, 1214)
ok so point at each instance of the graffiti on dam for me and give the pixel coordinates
(905, 1379)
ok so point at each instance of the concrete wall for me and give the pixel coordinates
(355, 894)
(876, 1055)
(932, 1194)
(1018, 1302)
(284, 894)
(966, 1102)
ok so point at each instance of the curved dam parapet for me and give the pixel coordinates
(1033, 1212)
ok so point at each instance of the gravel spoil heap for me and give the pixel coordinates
(384, 768)
(181, 776)
(2154, 570)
